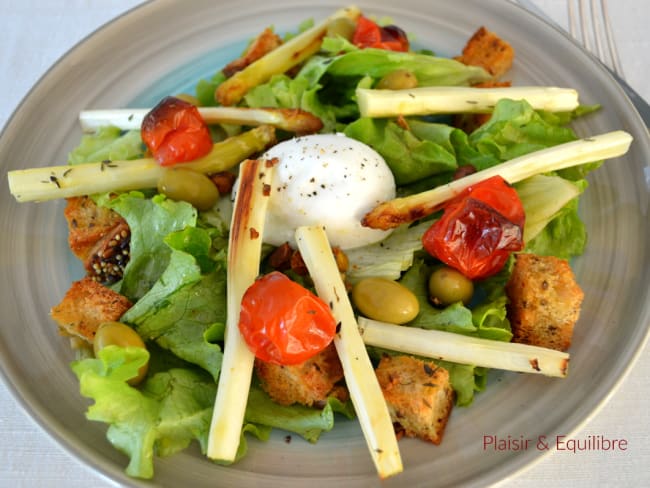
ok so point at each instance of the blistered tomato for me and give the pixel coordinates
(284, 323)
(370, 34)
(478, 229)
(175, 132)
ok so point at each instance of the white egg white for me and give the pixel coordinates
(329, 180)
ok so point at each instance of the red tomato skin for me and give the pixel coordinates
(284, 323)
(175, 132)
(478, 229)
(369, 34)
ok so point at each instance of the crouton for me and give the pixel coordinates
(266, 42)
(418, 394)
(490, 52)
(87, 224)
(99, 237)
(544, 301)
(85, 306)
(309, 383)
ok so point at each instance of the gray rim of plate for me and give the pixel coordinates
(124, 63)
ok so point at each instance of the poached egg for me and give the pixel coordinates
(329, 180)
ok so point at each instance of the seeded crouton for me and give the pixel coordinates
(489, 51)
(309, 383)
(99, 237)
(544, 300)
(85, 306)
(87, 224)
(418, 394)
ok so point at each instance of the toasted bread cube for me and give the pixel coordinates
(545, 301)
(309, 383)
(88, 224)
(418, 394)
(99, 237)
(489, 51)
(85, 306)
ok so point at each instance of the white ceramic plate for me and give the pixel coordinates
(164, 47)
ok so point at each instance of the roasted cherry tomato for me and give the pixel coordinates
(370, 34)
(478, 229)
(175, 132)
(284, 323)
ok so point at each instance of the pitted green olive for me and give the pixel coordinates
(400, 79)
(447, 286)
(119, 334)
(385, 300)
(189, 186)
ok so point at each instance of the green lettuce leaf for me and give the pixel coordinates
(174, 405)
(205, 89)
(108, 143)
(465, 380)
(261, 432)
(410, 156)
(543, 197)
(565, 236)
(185, 310)
(150, 221)
(425, 149)
(334, 46)
(429, 70)
(387, 258)
(197, 242)
(307, 422)
(515, 129)
(564, 118)
(171, 409)
(491, 321)
(299, 92)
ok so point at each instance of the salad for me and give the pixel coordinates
(172, 272)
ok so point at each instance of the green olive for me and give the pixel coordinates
(343, 27)
(189, 186)
(400, 79)
(447, 286)
(385, 300)
(119, 334)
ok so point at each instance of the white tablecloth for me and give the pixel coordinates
(35, 33)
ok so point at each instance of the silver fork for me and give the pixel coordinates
(579, 22)
(589, 24)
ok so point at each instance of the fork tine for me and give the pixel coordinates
(596, 25)
(616, 61)
(586, 39)
(573, 23)
(591, 27)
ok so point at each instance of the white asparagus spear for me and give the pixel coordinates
(360, 377)
(292, 120)
(462, 349)
(431, 100)
(50, 182)
(401, 210)
(279, 60)
(244, 251)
